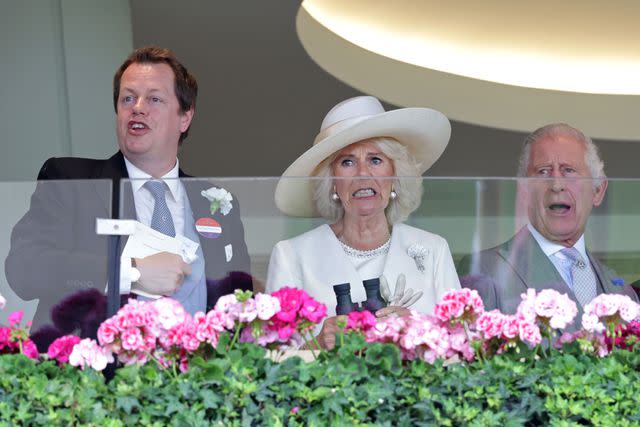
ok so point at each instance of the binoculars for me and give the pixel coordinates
(373, 303)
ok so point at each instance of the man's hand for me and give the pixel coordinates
(327, 336)
(161, 273)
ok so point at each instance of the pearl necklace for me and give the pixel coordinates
(372, 253)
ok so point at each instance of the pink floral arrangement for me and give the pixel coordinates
(459, 329)
(14, 338)
(164, 332)
(293, 317)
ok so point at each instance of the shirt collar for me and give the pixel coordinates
(139, 177)
(550, 248)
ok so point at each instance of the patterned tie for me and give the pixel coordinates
(161, 220)
(582, 277)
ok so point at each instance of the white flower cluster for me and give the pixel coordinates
(219, 198)
(418, 253)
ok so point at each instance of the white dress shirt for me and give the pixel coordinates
(143, 198)
(144, 204)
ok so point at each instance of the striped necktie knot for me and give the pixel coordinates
(574, 256)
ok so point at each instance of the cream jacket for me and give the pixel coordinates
(315, 261)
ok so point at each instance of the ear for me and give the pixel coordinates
(185, 120)
(598, 192)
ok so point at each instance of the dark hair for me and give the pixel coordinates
(186, 86)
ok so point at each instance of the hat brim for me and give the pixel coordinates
(425, 133)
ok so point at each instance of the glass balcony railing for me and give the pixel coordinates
(56, 266)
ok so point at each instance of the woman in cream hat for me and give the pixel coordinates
(365, 166)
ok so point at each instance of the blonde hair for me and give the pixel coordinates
(407, 184)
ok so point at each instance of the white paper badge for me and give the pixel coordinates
(228, 251)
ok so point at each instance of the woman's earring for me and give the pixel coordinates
(334, 196)
(393, 195)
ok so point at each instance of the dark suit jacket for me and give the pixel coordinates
(55, 251)
(501, 274)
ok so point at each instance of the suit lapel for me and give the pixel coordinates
(115, 169)
(604, 278)
(533, 267)
(213, 249)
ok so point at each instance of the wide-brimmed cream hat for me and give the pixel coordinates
(425, 133)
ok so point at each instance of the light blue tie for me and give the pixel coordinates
(584, 281)
(161, 220)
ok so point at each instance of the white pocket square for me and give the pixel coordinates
(228, 251)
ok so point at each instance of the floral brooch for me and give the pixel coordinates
(219, 198)
(418, 253)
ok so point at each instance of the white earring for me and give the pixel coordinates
(393, 195)
(334, 196)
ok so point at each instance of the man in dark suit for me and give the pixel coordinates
(55, 253)
(550, 252)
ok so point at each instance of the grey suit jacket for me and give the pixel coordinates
(501, 274)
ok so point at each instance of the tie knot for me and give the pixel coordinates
(156, 188)
(574, 255)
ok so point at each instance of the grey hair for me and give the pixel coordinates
(408, 187)
(592, 154)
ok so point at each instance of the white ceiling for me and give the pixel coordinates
(504, 64)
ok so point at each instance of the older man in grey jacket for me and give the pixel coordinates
(550, 252)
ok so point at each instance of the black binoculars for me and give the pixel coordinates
(373, 303)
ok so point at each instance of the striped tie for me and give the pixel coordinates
(582, 277)
(161, 220)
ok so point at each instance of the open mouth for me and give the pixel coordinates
(364, 192)
(137, 126)
(559, 208)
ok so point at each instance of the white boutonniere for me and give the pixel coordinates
(418, 253)
(219, 198)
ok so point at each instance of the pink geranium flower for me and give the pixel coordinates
(266, 306)
(609, 310)
(15, 318)
(313, 310)
(87, 353)
(29, 349)
(62, 347)
(360, 321)
(459, 304)
(530, 332)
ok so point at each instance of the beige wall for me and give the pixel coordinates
(58, 58)
(261, 97)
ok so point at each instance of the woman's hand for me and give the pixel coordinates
(327, 336)
(403, 296)
(393, 310)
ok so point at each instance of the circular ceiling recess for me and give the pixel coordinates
(502, 64)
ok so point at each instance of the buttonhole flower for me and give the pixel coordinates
(219, 198)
